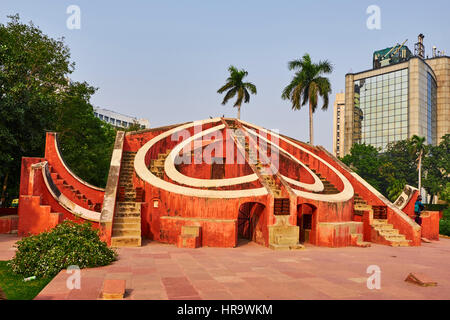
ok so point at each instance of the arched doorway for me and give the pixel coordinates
(250, 224)
(305, 217)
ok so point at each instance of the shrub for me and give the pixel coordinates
(435, 207)
(444, 227)
(444, 223)
(69, 243)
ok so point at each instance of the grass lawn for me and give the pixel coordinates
(15, 288)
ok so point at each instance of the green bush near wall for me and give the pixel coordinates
(444, 223)
(435, 207)
(68, 244)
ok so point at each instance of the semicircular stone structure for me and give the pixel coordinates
(212, 183)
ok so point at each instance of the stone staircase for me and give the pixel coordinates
(381, 231)
(72, 193)
(329, 188)
(157, 165)
(268, 180)
(384, 233)
(127, 219)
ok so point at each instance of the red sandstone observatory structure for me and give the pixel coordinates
(211, 182)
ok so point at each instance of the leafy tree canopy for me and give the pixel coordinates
(35, 96)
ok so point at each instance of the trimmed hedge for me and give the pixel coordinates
(435, 207)
(69, 243)
(444, 223)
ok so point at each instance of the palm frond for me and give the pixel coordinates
(324, 87)
(246, 96)
(240, 97)
(224, 88)
(230, 94)
(250, 86)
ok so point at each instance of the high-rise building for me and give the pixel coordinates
(338, 124)
(119, 120)
(403, 95)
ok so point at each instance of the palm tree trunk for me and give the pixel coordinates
(239, 112)
(311, 127)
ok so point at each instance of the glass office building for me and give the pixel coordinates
(395, 102)
(381, 109)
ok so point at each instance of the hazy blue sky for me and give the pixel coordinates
(164, 60)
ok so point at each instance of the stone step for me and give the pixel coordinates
(127, 220)
(362, 207)
(127, 209)
(126, 241)
(128, 214)
(127, 225)
(380, 227)
(400, 243)
(363, 244)
(286, 240)
(395, 237)
(359, 237)
(277, 247)
(388, 232)
(127, 204)
(125, 232)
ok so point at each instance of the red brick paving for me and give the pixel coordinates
(160, 271)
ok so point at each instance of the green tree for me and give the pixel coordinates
(35, 96)
(365, 161)
(235, 85)
(419, 148)
(308, 84)
(399, 162)
(436, 166)
(445, 193)
(33, 70)
(86, 141)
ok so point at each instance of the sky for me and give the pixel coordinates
(164, 60)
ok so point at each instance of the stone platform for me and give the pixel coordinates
(250, 271)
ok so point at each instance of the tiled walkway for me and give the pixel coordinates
(159, 271)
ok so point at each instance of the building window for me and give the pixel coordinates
(118, 122)
(96, 114)
(431, 134)
(113, 121)
(381, 109)
(106, 119)
(101, 117)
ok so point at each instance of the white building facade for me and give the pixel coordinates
(119, 120)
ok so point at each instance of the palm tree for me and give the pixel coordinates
(419, 148)
(307, 85)
(235, 86)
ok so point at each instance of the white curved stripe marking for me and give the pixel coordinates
(317, 186)
(175, 175)
(68, 204)
(145, 174)
(342, 196)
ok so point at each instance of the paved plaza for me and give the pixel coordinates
(250, 271)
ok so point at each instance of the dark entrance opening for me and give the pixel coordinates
(305, 214)
(250, 224)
